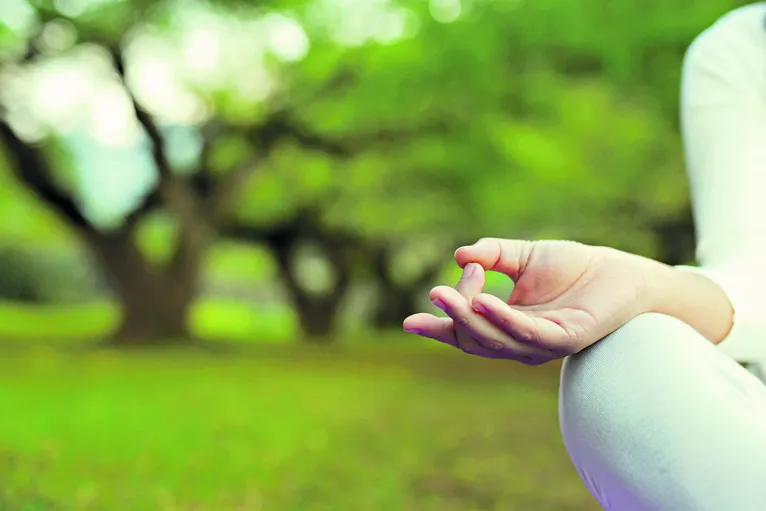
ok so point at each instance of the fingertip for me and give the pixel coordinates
(459, 256)
(421, 324)
(477, 254)
(431, 327)
(437, 293)
(409, 324)
(473, 269)
(417, 318)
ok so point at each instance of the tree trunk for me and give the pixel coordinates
(155, 301)
(396, 300)
(317, 316)
(395, 304)
(317, 313)
(152, 320)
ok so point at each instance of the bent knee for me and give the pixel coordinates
(648, 345)
(635, 378)
(615, 391)
(631, 378)
(627, 401)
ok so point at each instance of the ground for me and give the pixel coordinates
(279, 429)
(374, 423)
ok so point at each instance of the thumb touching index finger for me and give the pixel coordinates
(496, 254)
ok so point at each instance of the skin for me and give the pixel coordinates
(567, 296)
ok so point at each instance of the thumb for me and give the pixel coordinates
(496, 254)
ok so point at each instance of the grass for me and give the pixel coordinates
(211, 318)
(281, 429)
(375, 423)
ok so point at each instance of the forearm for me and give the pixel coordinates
(688, 296)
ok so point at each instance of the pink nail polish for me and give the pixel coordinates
(439, 304)
(415, 331)
(479, 308)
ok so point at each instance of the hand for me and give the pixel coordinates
(566, 297)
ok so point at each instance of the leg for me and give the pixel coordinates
(655, 418)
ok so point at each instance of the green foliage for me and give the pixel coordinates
(458, 119)
(157, 236)
(548, 112)
(23, 220)
(33, 276)
(498, 65)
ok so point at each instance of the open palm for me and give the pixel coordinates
(566, 297)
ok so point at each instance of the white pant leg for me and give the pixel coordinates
(656, 418)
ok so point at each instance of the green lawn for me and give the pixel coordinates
(278, 428)
(212, 319)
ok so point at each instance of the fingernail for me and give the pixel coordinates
(415, 331)
(469, 270)
(439, 304)
(479, 308)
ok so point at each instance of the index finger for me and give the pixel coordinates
(495, 254)
(483, 332)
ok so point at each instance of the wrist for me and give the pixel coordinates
(688, 296)
(662, 289)
(654, 280)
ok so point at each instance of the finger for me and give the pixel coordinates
(472, 281)
(432, 327)
(442, 330)
(463, 339)
(495, 254)
(523, 326)
(492, 341)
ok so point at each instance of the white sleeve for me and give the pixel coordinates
(723, 114)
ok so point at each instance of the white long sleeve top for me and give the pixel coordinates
(723, 114)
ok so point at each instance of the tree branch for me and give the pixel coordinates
(31, 167)
(228, 186)
(302, 223)
(216, 191)
(170, 190)
(156, 139)
(150, 202)
(240, 231)
(264, 138)
(282, 126)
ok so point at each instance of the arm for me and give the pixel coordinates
(568, 296)
(723, 110)
(690, 296)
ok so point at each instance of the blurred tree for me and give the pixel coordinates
(155, 299)
(237, 135)
(295, 242)
(384, 133)
(155, 295)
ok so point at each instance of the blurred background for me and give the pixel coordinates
(215, 215)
